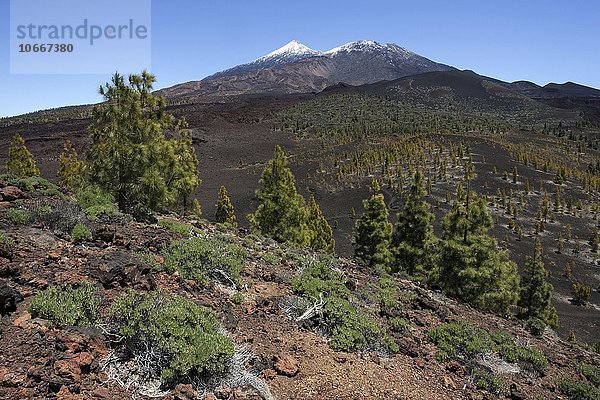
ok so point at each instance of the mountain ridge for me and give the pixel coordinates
(296, 68)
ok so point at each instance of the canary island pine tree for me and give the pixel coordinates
(224, 213)
(413, 240)
(282, 214)
(471, 266)
(535, 299)
(321, 232)
(131, 157)
(373, 233)
(71, 170)
(20, 160)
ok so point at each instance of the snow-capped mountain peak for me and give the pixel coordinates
(355, 63)
(358, 45)
(293, 48)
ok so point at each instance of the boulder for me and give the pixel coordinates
(184, 392)
(286, 365)
(68, 369)
(11, 193)
(8, 299)
(120, 269)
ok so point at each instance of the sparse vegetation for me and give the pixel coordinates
(463, 340)
(177, 338)
(80, 233)
(202, 258)
(18, 216)
(95, 202)
(348, 326)
(65, 305)
(182, 228)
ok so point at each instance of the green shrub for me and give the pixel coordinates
(178, 337)
(319, 278)
(95, 203)
(399, 324)
(591, 373)
(388, 295)
(270, 258)
(578, 390)
(463, 340)
(200, 258)
(51, 192)
(65, 305)
(81, 233)
(536, 326)
(178, 227)
(252, 241)
(460, 339)
(529, 356)
(349, 327)
(237, 298)
(18, 216)
(32, 183)
(4, 238)
(40, 211)
(489, 382)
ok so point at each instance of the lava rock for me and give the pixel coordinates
(6, 251)
(184, 392)
(286, 365)
(68, 369)
(9, 298)
(120, 269)
(11, 193)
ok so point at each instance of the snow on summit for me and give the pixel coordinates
(352, 52)
(293, 48)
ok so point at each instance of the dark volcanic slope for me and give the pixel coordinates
(459, 91)
(553, 90)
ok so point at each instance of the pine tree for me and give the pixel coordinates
(225, 212)
(321, 232)
(535, 298)
(413, 239)
(71, 170)
(184, 163)
(131, 157)
(20, 160)
(373, 234)
(471, 266)
(282, 215)
(196, 208)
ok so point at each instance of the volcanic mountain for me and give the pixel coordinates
(295, 68)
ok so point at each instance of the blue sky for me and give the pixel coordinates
(541, 41)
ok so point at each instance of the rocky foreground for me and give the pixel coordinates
(284, 355)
